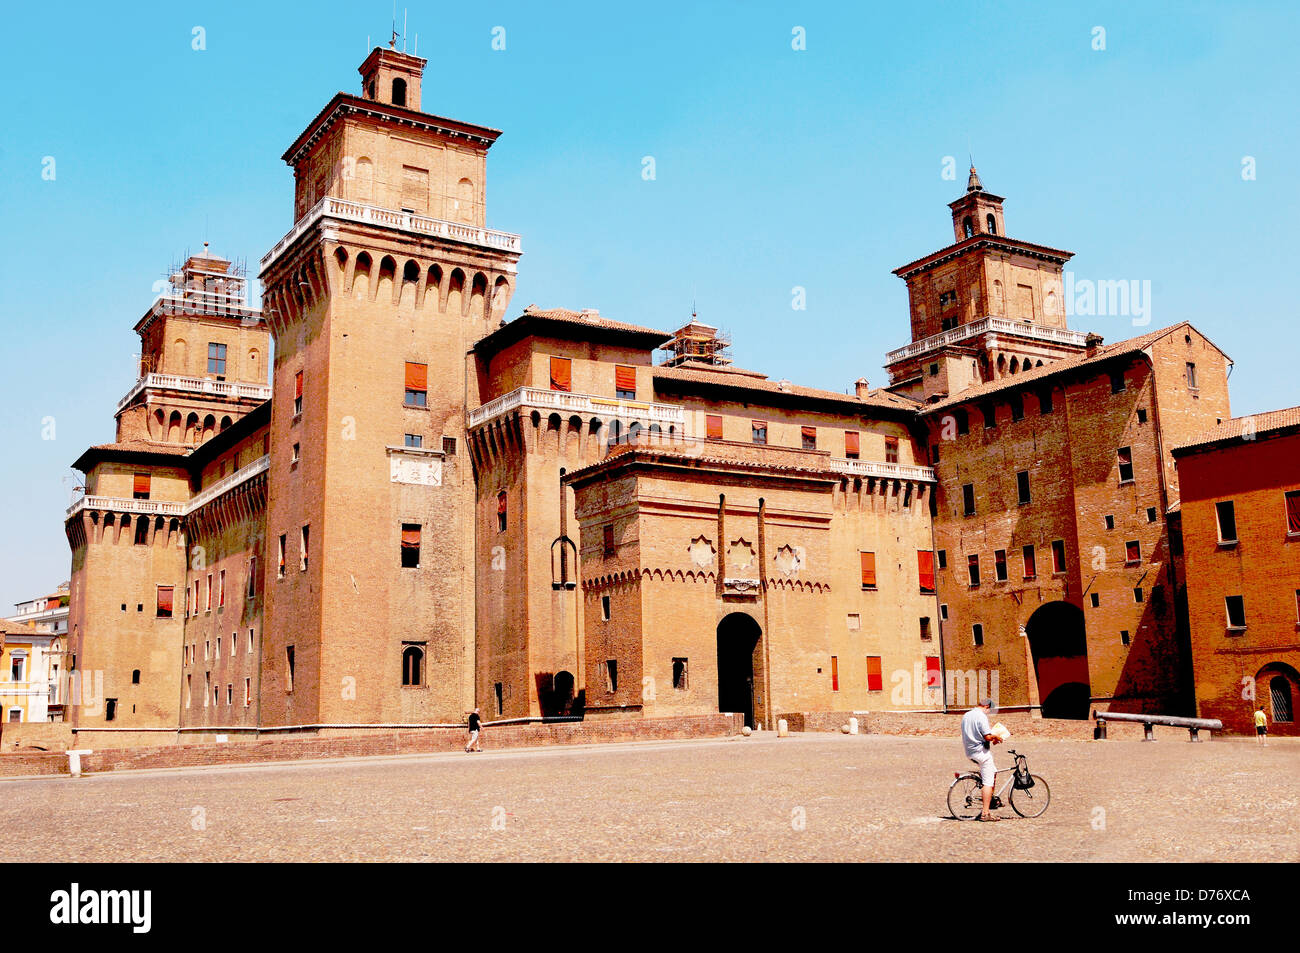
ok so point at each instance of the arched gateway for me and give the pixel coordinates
(1059, 646)
(739, 637)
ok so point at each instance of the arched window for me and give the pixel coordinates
(968, 226)
(412, 666)
(135, 676)
(1015, 365)
(1279, 689)
(992, 224)
(410, 271)
(399, 92)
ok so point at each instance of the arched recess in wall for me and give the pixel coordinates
(192, 428)
(158, 425)
(500, 296)
(410, 284)
(433, 287)
(179, 362)
(478, 295)
(456, 293)
(465, 200)
(174, 432)
(387, 272)
(361, 276)
(999, 299)
(365, 173)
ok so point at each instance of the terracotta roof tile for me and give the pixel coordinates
(589, 318)
(736, 378)
(1238, 427)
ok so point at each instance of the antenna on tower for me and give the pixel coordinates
(392, 39)
(404, 16)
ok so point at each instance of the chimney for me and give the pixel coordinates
(861, 388)
(1091, 343)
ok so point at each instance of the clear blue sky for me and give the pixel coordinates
(775, 168)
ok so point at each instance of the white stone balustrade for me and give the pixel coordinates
(562, 402)
(1037, 332)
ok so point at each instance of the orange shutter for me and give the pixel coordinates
(925, 563)
(501, 502)
(874, 681)
(625, 378)
(809, 433)
(869, 570)
(417, 376)
(297, 381)
(932, 679)
(561, 374)
(411, 538)
(713, 427)
(142, 483)
(1292, 512)
(851, 446)
(165, 600)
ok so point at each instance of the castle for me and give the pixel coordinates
(431, 508)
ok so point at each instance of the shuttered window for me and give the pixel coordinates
(868, 570)
(561, 374)
(410, 545)
(875, 682)
(933, 678)
(1293, 512)
(141, 486)
(758, 431)
(165, 602)
(925, 568)
(835, 673)
(713, 427)
(297, 393)
(625, 382)
(852, 444)
(809, 436)
(417, 385)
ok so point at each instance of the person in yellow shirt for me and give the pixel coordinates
(1261, 726)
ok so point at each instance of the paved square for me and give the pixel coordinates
(813, 797)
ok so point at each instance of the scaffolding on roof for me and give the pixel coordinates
(699, 342)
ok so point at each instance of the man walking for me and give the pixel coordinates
(976, 737)
(475, 726)
(1261, 726)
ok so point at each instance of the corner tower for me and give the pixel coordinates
(983, 308)
(375, 297)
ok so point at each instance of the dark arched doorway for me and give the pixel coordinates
(1277, 688)
(1059, 646)
(738, 641)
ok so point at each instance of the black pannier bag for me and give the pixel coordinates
(1024, 779)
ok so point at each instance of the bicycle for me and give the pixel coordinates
(1029, 792)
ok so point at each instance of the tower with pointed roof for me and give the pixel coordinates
(982, 308)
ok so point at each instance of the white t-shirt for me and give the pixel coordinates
(974, 726)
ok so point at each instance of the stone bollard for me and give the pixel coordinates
(782, 728)
(746, 731)
(853, 726)
(74, 762)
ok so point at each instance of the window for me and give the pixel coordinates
(189, 690)
(1116, 381)
(679, 674)
(1125, 458)
(1094, 598)
(610, 547)
(808, 438)
(947, 298)
(1227, 521)
(399, 92)
(248, 692)
(973, 570)
(963, 422)
(297, 394)
(17, 666)
(1022, 486)
(1142, 415)
(110, 709)
(968, 499)
(1292, 500)
(412, 664)
(934, 454)
(1017, 407)
(977, 634)
(1236, 607)
(448, 446)
(165, 602)
(925, 570)
(1031, 566)
(1109, 520)
(875, 682)
(925, 628)
(217, 655)
(933, 676)
(1000, 565)
(1137, 594)
(1151, 514)
(496, 688)
(943, 559)
(221, 588)
(250, 641)
(1191, 375)
(561, 374)
(868, 570)
(252, 577)
(1123, 637)
(207, 650)
(303, 544)
(943, 612)
(758, 431)
(280, 570)
(288, 668)
(140, 490)
(624, 382)
(141, 530)
(854, 621)
(835, 673)
(207, 600)
(501, 512)
(1045, 401)
(1132, 552)
(217, 359)
(611, 675)
(414, 440)
(417, 385)
(410, 547)
(891, 449)
(934, 370)
(604, 608)
(230, 693)
(852, 444)
(1058, 555)
(990, 416)
(713, 426)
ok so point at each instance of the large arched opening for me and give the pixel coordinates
(1277, 688)
(1058, 643)
(739, 642)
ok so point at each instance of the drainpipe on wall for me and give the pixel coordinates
(767, 631)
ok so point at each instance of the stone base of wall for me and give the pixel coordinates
(38, 735)
(386, 742)
(1021, 725)
(823, 720)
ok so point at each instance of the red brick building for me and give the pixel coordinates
(1240, 515)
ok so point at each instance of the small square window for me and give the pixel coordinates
(448, 446)
(977, 634)
(854, 622)
(1132, 552)
(1227, 521)
(1124, 457)
(1236, 609)
(1116, 381)
(1142, 415)
(414, 440)
(943, 612)
(943, 559)
(1152, 515)
(679, 674)
(1110, 521)
(611, 675)
(1095, 599)
(1137, 594)
(1123, 637)
(611, 547)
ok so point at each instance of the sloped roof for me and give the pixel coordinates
(1028, 378)
(734, 378)
(562, 322)
(1237, 428)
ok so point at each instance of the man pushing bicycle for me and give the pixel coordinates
(977, 737)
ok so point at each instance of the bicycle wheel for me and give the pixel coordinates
(966, 798)
(1031, 802)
